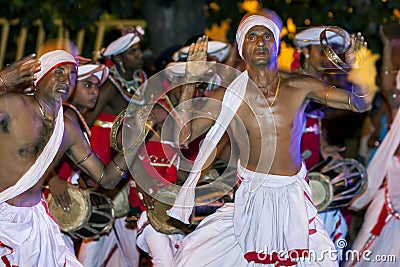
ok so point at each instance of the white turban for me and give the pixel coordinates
(121, 44)
(52, 60)
(254, 20)
(311, 36)
(217, 49)
(98, 70)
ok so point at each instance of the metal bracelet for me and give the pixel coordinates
(351, 106)
(85, 158)
(327, 94)
(102, 175)
(123, 172)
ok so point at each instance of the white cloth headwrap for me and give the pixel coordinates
(52, 60)
(379, 165)
(121, 44)
(36, 171)
(217, 49)
(254, 20)
(231, 102)
(311, 36)
(87, 70)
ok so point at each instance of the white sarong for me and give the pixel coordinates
(377, 242)
(30, 237)
(274, 224)
(117, 248)
(161, 247)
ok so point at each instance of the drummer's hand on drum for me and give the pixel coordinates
(145, 198)
(59, 190)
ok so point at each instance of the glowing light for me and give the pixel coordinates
(218, 32)
(396, 12)
(291, 27)
(251, 6)
(285, 57)
(214, 6)
(366, 74)
(307, 21)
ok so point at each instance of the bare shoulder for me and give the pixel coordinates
(69, 113)
(71, 127)
(300, 83)
(14, 103)
(218, 93)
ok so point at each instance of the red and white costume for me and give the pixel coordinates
(29, 236)
(377, 236)
(231, 236)
(118, 247)
(156, 161)
(278, 217)
(270, 224)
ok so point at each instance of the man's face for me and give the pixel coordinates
(259, 47)
(60, 82)
(132, 58)
(318, 59)
(86, 93)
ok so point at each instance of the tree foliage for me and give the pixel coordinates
(353, 15)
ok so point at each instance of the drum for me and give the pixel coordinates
(119, 197)
(91, 213)
(121, 202)
(210, 195)
(335, 184)
(158, 217)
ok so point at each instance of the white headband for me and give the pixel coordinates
(98, 70)
(254, 20)
(52, 60)
(121, 44)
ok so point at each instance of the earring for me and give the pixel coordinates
(121, 66)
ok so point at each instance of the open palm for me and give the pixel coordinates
(197, 57)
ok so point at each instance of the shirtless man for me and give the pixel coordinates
(31, 133)
(273, 220)
(33, 137)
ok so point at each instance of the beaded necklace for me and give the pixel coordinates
(128, 89)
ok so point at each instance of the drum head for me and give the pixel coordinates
(158, 217)
(121, 203)
(76, 216)
(321, 190)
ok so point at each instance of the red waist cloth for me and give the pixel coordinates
(310, 142)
